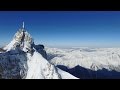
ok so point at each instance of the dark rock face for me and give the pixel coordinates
(13, 64)
(84, 73)
(2, 50)
(40, 49)
(1, 70)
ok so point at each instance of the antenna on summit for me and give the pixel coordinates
(23, 26)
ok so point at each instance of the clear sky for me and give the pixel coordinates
(64, 28)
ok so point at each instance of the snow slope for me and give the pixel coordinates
(65, 75)
(39, 68)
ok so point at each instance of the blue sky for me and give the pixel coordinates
(64, 28)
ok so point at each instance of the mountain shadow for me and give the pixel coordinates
(84, 73)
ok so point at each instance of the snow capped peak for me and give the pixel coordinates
(22, 39)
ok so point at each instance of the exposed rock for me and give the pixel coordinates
(40, 49)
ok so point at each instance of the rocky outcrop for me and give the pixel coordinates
(13, 64)
(2, 50)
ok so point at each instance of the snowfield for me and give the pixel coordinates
(39, 68)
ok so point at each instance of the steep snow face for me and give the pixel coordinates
(65, 75)
(40, 68)
(90, 58)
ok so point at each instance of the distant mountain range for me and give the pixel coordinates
(87, 63)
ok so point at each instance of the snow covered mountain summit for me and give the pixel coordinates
(22, 59)
(22, 39)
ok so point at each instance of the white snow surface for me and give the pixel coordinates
(65, 75)
(91, 58)
(40, 68)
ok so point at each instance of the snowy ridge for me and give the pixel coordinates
(41, 68)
